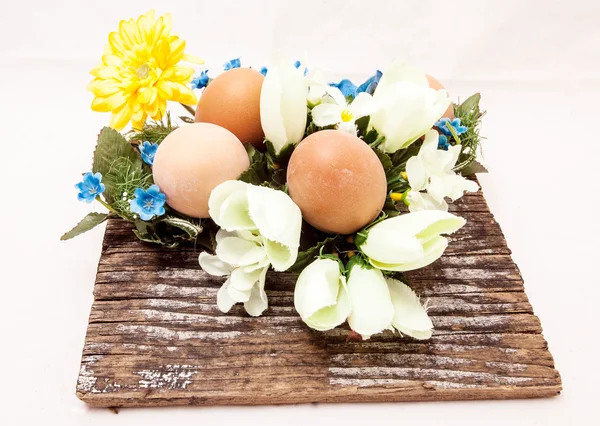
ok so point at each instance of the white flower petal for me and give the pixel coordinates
(283, 108)
(390, 247)
(433, 250)
(331, 316)
(239, 252)
(219, 194)
(271, 117)
(276, 216)
(224, 301)
(234, 212)
(417, 175)
(213, 265)
(243, 281)
(327, 114)
(258, 302)
(317, 287)
(336, 95)
(400, 72)
(422, 201)
(280, 256)
(222, 234)
(372, 309)
(362, 105)
(410, 317)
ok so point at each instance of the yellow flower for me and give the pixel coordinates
(140, 72)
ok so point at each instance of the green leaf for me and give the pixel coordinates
(191, 229)
(111, 146)
(258, 172)
(87, 223)
(307, 256)
(145, 232)
(385, 159)
(474, 167)
(390, 208)
(469, 104)
(186, 119)
(362, 125)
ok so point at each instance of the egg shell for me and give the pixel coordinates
(435, 84)
(232, 101)
(194, 159)
(337, 181)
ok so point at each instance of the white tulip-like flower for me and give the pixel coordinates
(379, 303)
(406, 106)
(260, 227)
(334, 110)
(409, 241)
(320, 296)
(431, 171)
(283, 107)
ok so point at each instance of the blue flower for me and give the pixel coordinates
(148, 203)
(234, 63)
(445, 122)
(201, 81)
(350, 89)
(370, 85)
(297, 64)
(147, 152)
(264, 71)
(443, 143)
(90, 187)
(347, 88)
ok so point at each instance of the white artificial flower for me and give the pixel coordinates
(283, 107)
(379, 304)
(406, 106)
(372, 310)
(320, 296)
(334, 110)
(260, 227)
(409, 241)
(317, 88)
(431, 170)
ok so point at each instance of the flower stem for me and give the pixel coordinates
(189, 109)
(106, 205)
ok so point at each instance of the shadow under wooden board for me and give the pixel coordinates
(156, 338)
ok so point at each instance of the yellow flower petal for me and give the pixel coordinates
(193, 59)
(177, 48)
(110, 103)
(101, 87)
(185, 95)
(120, 118)
(104, 72)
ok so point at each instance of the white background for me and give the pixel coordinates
(537, 64)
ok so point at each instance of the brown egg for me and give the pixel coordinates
(232, 101)
(337, 181)
(192, 160)
(434, 83)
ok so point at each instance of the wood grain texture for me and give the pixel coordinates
(156, 337)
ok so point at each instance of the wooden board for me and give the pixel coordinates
(156, 337)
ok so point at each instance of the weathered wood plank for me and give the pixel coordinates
(156, 338)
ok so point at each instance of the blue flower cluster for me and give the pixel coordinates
(148, 203)
(351, 90)
(90, 187)
(201, 81)
(445, 123)
(234, 63)
(297, 64)
(147, 152)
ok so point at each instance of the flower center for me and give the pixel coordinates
(148, 204)
(93, 190)
(143, 71)
(347, 115)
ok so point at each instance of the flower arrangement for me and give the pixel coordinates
(277, 168)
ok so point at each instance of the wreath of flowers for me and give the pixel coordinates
(355, 278)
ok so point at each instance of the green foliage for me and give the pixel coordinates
(169, 230)
(307, 256)
(153, 131)
(123, 177)
(470, 116)
(87, 223)
(111, 147)
(258, 172)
